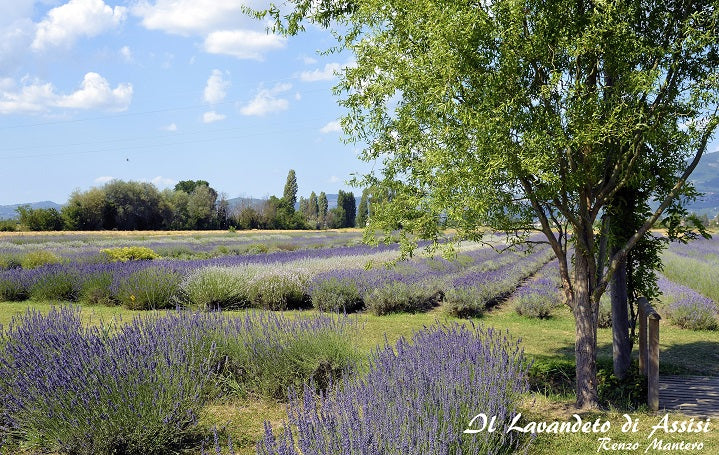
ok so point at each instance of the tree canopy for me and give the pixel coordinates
(528, 116)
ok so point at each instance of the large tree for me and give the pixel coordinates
(528, 116)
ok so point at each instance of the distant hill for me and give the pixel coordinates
(9, 211)
(705, 178)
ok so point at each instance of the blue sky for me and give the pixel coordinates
(162, 91)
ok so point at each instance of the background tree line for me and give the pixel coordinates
(190, 205)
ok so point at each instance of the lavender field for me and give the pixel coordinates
(173, 375)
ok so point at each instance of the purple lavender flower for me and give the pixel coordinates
(418, 397)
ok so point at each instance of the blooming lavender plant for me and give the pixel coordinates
(417, 398)
(538, 296)
(138, 388)
(81, 390)
(473, 292)
(687, 308)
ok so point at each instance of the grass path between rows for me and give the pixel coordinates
(682, 352)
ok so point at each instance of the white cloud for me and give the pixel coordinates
(212, 116)
(104, 179)
(267, 102)
(163, 182)
(190, 17)
(170, 127)
(308, 60)
(223, 24)
(94, 93)
(243, 44)
(325, 74)
(331, 127)
(334, 179)
(15, 38)
(65, 24)
(216, 88)
(126, 54)
(298, 96)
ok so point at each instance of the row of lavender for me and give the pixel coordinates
(139, 388)
(330, 279)
(17, 250)
(683, 306)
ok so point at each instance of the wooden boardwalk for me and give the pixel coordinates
(691, 395)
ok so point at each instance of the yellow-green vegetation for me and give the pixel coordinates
(129, 253)
(38, 258)
(546, 342)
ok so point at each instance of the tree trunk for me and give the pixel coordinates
(585, 348)
(621, 346)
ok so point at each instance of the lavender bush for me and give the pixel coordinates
(82, 390)
(687, 308)
(281, 289)
(694, 313)
(334, 294)
(417, 397)
(138, 388)
(474, 291)
(55, 284)
(217, 288)
(402, 297)
(538, 296)
(12, 286)
(150, 288)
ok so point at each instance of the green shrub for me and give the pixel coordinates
(130, 253)
(279, 290)
(10, 261)
(217, 287)
(149, 289)
(38, 258)
(271, 353)
(58, 285)
(556, 376)
(257, 248)
(8, 225)
(96, 289)
(336, 295)
(399, 297)
(176, 252)
(221, 250)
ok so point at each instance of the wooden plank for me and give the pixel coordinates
(691, 395)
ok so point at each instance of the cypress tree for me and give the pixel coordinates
(290, 194)
(314, 207)
(322, 208)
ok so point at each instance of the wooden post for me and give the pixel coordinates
(642, 339)
(649, 350)
(653, 364)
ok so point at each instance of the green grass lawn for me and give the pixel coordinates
(682, 352)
